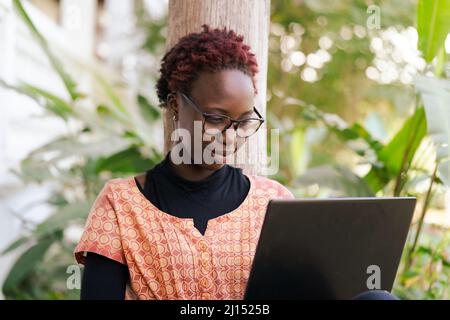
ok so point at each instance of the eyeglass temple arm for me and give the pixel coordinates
(192, 103)
(257, 112)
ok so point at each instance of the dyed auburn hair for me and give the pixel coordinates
(209, 50)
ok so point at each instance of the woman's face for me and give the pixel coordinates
(228, 92)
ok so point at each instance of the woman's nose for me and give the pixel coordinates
(230, 134)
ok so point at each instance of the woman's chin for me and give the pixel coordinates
(213, 166)
(215, 161)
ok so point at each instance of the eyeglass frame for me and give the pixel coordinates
(205, 115)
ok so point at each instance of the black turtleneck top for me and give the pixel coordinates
(220, 193)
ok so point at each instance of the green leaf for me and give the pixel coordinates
(52, 103)
(63, 217)
(109, 91)
(103, 110)
(336, 124)
(64, 147)
(411, 134)
(34, 169)
(424, 250)
(148, 111)
(297, 147)
(435, 94)
(16, 244)
(433, 26)
(444, 171)
(42, 97)
(357, 131)
(409, 275)
(127, 161)
(68, 82)
(26, 263)
(399, 152)
(47, 161)
(57, 199)
(338, 179)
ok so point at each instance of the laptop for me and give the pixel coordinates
(331, 248)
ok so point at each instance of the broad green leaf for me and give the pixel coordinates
(68, 82)
(42, 97)
(26, 263)
(148, 111)
(34, 169)
(338, 179)
(63, 217)
(127, 161)
(44, 162)
(433, 26)
(52, 103)
(410, 274)
(405, 142)
(435, 94)
(399, 152)
(335, 124)
(64, 147)
(57, 199)
(109, 91)
(357, 132)
(16, 244)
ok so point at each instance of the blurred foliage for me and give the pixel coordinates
(108, 136)
(346, 131)
(429, 276)
(339, 30)
(343, 133)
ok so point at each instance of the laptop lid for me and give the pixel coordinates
(330, 248)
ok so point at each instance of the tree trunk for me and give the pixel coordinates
(249, 18)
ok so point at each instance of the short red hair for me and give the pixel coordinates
(210, 50)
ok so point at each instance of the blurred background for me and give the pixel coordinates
(358, 90)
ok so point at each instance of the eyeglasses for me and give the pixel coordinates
(216, 122)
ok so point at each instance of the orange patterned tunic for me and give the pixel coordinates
(168, 258)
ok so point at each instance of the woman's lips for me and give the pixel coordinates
(225, 152)
(221, 158)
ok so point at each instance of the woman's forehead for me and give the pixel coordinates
(229, 84)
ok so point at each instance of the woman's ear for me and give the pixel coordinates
(172, 105)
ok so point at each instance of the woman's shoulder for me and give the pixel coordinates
(263, 181)
(265, 184)
(116, 186)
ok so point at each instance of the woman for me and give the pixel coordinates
(186, 229)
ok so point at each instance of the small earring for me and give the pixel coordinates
(175, 128)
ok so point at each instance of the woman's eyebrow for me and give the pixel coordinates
(226, 112)
(219, 109)
(249, 112)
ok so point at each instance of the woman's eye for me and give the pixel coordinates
(247, 123)
(216, 119)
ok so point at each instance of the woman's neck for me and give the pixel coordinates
(190, 172)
